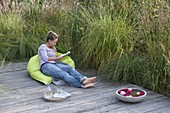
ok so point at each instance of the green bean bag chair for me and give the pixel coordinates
(33, 68)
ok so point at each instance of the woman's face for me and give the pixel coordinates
(52, 43)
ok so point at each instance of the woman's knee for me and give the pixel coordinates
(65, 67)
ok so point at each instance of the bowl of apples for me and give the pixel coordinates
(131, 94)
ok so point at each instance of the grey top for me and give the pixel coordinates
(44, 52)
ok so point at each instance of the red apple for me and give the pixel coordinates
(142, 93)
(129, 91)
(125, 90)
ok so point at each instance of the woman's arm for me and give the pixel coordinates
(54, 58)
(43, 55)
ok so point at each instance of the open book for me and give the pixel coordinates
(65, 54)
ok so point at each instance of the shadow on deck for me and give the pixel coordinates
(21, 94)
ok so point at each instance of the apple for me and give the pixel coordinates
(129, 91)
(142, 93)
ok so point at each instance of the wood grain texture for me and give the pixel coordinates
(19, 93)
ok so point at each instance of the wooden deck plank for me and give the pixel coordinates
(110, 99)
(12, 67)
(139, 108)
(117, 105)
(60, 107)
(160, 110)
(75, 102)
(77, 96)
(20, 93)
(144, 108)
(32, 89)
(168, 111)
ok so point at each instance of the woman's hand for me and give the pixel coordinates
(59, 58)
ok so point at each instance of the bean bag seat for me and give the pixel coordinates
(33, 68)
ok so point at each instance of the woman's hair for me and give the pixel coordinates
(51, 36)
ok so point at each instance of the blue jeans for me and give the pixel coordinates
(65, 72)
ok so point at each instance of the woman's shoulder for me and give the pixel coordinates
(43, 46)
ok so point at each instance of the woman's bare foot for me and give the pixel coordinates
(93, 79)
(89, 85)
(89, 80)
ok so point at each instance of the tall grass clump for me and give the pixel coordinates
(49, 16)
(105, 39)
(148, 62)
(154, 34)
(128, 41)
(24, 25)
(61, 22)
(11, 25)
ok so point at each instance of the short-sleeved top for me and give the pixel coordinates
(44, 52)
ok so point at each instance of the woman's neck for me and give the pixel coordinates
(48, 45)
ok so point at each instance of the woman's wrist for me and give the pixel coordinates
(59, 58)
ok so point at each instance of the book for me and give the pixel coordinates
(65, 54)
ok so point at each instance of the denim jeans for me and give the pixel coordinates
(65, 72)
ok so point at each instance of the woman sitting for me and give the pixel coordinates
(51, 66)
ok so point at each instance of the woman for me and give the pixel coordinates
(49, 65)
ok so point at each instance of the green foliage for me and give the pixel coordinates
(131, 43)
(105, 39)
(11, 26)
